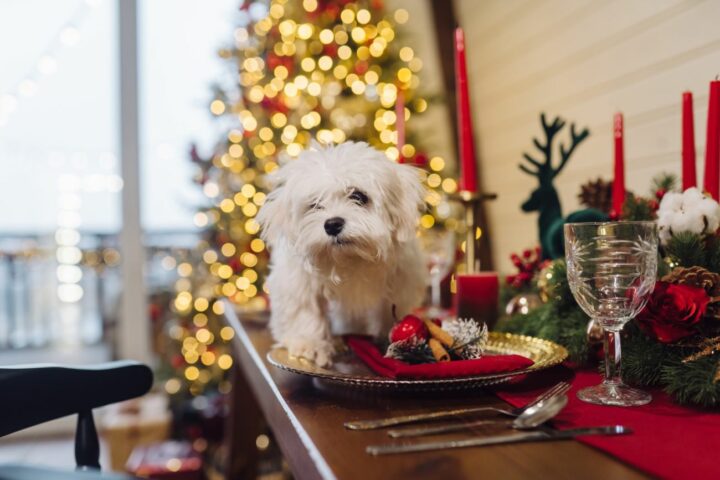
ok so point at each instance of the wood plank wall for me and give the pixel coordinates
(583, 60)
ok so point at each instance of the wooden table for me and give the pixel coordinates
(307, 418)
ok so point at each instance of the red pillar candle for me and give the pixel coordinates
(689, 176)
(400, 123)
(618, 189)
(466, 146)
(477, 296)
(712, 145)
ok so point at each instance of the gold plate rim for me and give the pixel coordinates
(544, 353)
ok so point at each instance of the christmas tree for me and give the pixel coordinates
(325, 71)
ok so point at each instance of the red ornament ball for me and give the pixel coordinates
(660, 193)
(410, 326)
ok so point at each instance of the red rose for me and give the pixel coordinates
(673, 311)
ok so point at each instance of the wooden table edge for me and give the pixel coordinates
(253, 366)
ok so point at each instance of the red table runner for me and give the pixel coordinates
(669, 440)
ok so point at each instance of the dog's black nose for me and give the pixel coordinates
(334, 225)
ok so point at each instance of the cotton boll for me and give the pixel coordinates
(671, 202)
(690, 211)
(710, 209)
(688, 222)
(692, 195)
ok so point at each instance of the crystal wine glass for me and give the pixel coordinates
(438, 247)
(611, 269)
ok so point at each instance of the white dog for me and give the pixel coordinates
(341, 225)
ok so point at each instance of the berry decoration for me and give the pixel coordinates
(410, 327)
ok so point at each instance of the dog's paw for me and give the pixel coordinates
(319, 351)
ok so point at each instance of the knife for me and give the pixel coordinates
(535, 436)
(444, 428)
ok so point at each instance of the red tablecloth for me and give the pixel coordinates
(670, 441)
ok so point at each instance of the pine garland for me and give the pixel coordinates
(687, 249)
(645, 362)
(559, 320)
(637, 208)
(665, 182)
(692, 382)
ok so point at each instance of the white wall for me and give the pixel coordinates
(584, 60)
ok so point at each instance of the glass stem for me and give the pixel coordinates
(435, 294)
(613, 357)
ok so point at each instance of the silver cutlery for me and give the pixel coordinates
(533, 436)
(533, 416)
(558, 389)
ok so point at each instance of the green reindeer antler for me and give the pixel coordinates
(545, 198)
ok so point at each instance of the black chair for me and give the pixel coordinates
(34, 394)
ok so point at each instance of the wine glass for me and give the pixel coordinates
(611, 269)
(438, 247)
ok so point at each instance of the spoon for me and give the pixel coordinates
(533, 417)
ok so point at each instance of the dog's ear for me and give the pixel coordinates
(273, 215)
(409, 201)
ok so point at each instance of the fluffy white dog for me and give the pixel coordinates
(341, 225)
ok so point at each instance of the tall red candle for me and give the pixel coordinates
(400, 122)
(618, 189)
(689, 176)
(712, 145)
(466, 146)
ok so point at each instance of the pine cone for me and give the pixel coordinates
(695, 277)
(597, 194)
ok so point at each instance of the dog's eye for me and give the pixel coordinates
(315, 206)
(359, 197)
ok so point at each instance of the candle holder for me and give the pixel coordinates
(470, 202)
(476, 292)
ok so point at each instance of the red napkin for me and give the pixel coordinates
(366, 350)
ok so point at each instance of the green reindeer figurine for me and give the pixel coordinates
(545, 198)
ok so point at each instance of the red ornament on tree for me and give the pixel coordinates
(409, 327)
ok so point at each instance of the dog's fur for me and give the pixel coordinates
(322, 284)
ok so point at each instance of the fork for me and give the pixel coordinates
(559, 389)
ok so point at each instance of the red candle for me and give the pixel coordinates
(477, 296)
(466, 146)
(712, 145)
(618, 190)
(689, 176)
(400, 123)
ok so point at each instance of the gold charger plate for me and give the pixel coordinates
(348, 370)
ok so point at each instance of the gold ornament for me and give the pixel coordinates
(594, 333)
(543, 282)
(522, 303)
